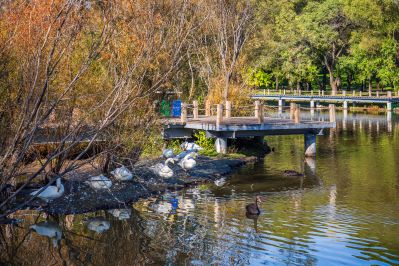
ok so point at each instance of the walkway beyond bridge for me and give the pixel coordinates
(343, 97)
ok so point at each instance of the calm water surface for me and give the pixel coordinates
(344, 211)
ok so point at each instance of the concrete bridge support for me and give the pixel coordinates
(221, 145)
(345, 105)
(310, 144)
(389, 107)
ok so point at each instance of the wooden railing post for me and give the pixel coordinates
(353, 93)
(322, 93)
(360, 93)
(183, 116)
(228, 109)
(257, 104)
(297, 113)
(344, 93)
(260, 114)
(219, 114)
(389, 94)
(331, 108)
(292, 110)
(319, 92)
(207, 108)
(195, 109)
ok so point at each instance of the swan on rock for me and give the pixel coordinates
(51, 192)
(48, 229)
(121, 214)
(190, 146)
(168, 153)
(99, 182)
(122, 174)
(188, 162)
(163, 170)
(98, 224)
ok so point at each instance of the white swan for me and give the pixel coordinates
(99, 182)
(51, 192)
(220, 182)
(48, 229)
(168, 153)
(188, 162)
(162, 207)
(163, 170)
(190, 146)
(98, 224)
(122, 173)
(121, 214)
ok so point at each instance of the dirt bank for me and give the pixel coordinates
(80, 198)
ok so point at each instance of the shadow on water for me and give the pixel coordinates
(342, 209)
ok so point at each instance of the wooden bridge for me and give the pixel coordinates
(343, 97)
(222, 125)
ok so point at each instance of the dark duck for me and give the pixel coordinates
(253, 208)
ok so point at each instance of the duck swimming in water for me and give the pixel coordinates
(253, 208)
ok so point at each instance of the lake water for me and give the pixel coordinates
(343, 211)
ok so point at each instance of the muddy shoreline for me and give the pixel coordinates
(80, 198)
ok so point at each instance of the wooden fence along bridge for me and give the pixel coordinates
(222, 125)
(343, 97)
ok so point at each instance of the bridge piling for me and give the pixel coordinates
(221, 145)
(310, 144)
(345, 105)
(389, 107)
(331, 108)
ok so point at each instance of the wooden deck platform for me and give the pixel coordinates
(244, 126)
(238, 127)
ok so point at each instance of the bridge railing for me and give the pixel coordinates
(222, 112)
(353, 93)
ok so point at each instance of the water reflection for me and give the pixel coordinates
(343, 210)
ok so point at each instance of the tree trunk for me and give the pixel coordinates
(226, 88)
(333, 83)
(324, 84)
(276, 83)
(349, 81)
(370, 87)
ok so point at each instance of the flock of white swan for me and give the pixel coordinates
(186, 160)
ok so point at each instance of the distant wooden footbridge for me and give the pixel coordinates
(314, 98)
(217, 121)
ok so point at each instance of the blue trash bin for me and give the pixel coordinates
(176, 108)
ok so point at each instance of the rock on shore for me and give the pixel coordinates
(80, 198)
